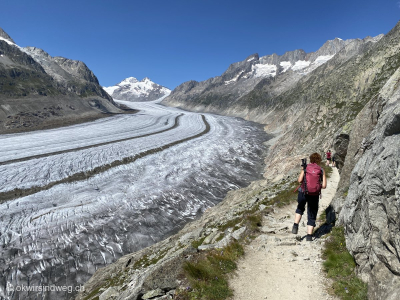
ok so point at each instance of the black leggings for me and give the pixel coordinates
(312, 207)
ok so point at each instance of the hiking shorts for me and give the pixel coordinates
(312, 207)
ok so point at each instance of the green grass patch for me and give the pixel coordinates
(327, 170)
(197, 243)
(340, 265)
(93, 295)
(340, 105)
(230, 224)
(322, 217)
(117, 280)
(207, 275)
(254, 222)
(148, 260)
(284, 197)
(221, 236)
(346, 192)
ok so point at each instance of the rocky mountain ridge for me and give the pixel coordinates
(40, 91)
(230, 91)
(350, 103)
(60, 68)
(131, 89)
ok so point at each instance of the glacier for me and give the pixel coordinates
(63, 233)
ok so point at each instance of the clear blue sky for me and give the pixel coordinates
(172, 41)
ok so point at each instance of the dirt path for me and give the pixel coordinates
(279, 266)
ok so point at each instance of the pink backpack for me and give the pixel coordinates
(313, 179)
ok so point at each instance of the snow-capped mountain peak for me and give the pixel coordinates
(128, 80)
(131, 89)
(146, 80)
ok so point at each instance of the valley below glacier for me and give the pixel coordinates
(77, 198)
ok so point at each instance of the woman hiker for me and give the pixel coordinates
(328, 157)
(309, 194)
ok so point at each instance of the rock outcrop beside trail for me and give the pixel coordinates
(371, 210)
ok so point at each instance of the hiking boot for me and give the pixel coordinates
(309, 238)
(295, 228)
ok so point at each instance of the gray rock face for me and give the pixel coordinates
(153, 294)
(50, 66)
(4, 35)
(292, 56)
(371, 211)
(60, 68)
(330, 47)
(110, 293)
(70, 75)
(77, 69)
(17, 58)
(340, 149)
(40, 81)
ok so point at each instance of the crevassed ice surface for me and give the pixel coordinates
(60, 236)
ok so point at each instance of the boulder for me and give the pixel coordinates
(152, 294)
(110, 293)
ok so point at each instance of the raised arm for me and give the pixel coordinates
(301, 176)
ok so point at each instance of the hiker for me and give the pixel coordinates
(328, 157)
(309, 193)
(334, 160)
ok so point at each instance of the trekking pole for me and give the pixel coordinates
(304, 165)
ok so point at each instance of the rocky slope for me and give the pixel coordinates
(349, 103)
(38, 91)
(130, 89)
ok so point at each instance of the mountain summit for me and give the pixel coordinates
(131, 89)
(5, 36)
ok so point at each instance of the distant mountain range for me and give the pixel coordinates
(40, 91)
(276, 73)
(131, 89)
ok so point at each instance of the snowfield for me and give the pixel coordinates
(62, 234)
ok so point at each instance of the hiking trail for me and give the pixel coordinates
(276, 265)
